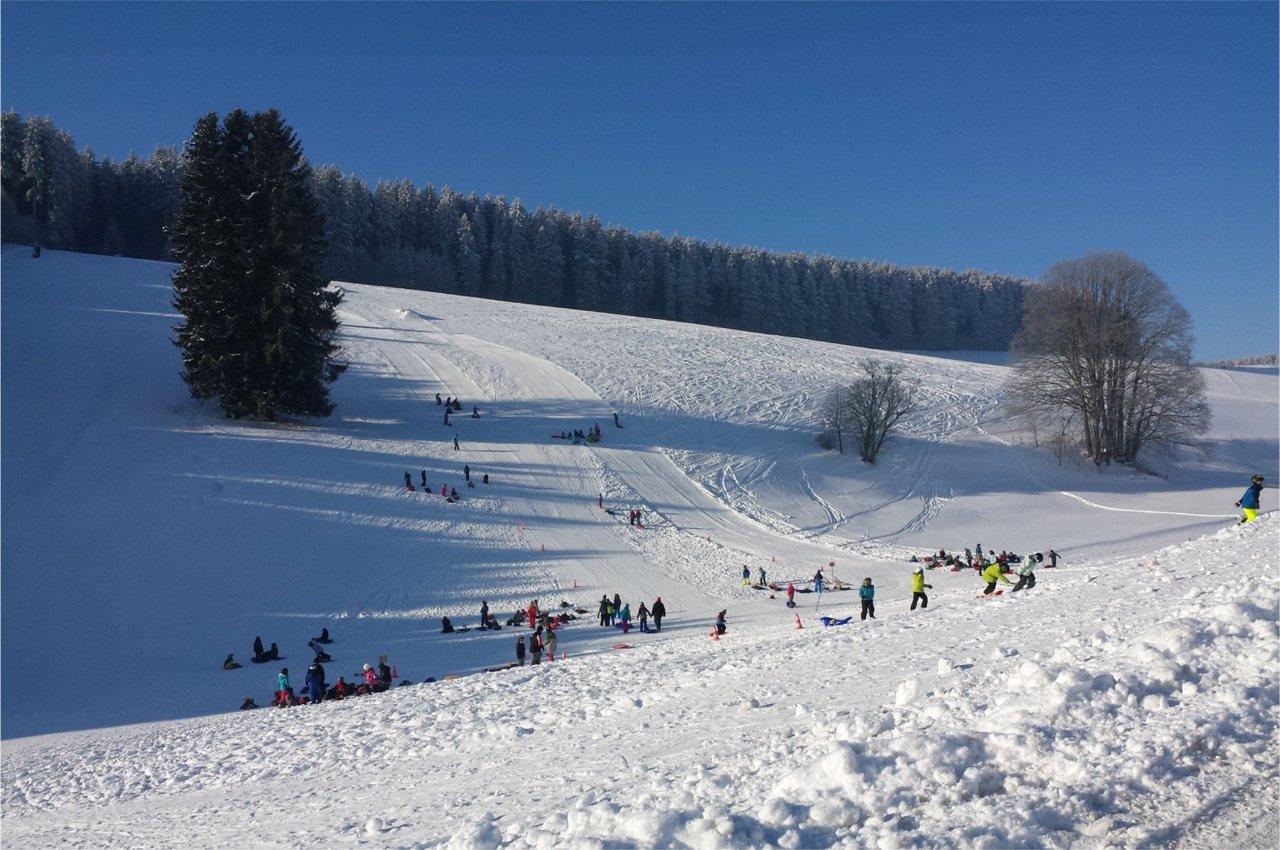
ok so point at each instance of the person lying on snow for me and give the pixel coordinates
(832, 621)
(324, 637)
(230, 663)
(248, 704)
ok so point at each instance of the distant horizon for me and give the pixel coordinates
(857, 131)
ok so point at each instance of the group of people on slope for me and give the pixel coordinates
(614, 613)
(369, 680)
(449, 494)
(977, 559)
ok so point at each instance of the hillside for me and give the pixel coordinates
(145, 537)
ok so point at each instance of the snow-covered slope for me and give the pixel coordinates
(145, 537)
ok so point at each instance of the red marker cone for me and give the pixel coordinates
(799, 625)
(715, 635)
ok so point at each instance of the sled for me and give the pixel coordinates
(451, 676)
(622, 646)
(990, 595)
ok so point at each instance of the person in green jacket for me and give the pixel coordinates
(917, 589)
(991, 575)
(1027, 572)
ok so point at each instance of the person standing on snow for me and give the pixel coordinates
(791, 595)
(604, 610)
(917, 589)
(1053, 559)
(817, 582)
(282, 685)
(991, 575)
(315, 681)
(535, 647)
(762, 577)
(456, 447)
(659, 611)
(532, 613)
(643, 614)
(520, 650)
(721, 626)
(1251, 501)
(438, 401)
(466, 471)
(1026, 572)
(867, 593)
(549, 642)
(746, 575)
(484, 613)
(625, 616)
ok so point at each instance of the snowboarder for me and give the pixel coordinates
(370, 677)
(520, 650)
(659, 611)
(466, 471)
(315, 681)
(438, 402)
(1026, 572)
(991, 575)
(867, 593)
(457, 404)
(721, 626)
(448, 402)
(324, 636)
(746, 575)
(643, 614)
(456, 447)
(791, 595)
(1251, 501)
(230, 663)
(917, 589)
(616, 423)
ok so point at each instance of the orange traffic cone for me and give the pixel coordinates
(715, 635)
(799, 625)
(563, 656)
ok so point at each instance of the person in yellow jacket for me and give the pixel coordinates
(917, 589)
(991, 575)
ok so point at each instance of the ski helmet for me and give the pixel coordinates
(1257, 479)
(368, 666)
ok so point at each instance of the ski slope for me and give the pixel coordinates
(145, 537)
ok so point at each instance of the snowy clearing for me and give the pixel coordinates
(1129, 699)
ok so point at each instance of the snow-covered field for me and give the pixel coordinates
(1129, 699)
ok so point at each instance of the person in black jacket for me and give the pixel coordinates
(658, 611)
(520, 650)
(604, 610)
(384, 673)
(257, 647)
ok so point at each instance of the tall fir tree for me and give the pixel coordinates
(259, 317)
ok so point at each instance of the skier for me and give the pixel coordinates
(659, 611)
(991, 575)
(520, 650)
(791, 595)
(868, 595)
(1026, 572)
(1251, 500)
(438, 402)
(315, 681)
(466, 471)
(817, 582)
(721, 626)
(643, 613)
(604, 610)
(456, 447)
(230, 663)
(424, 481)
(1053, 559)
(746, 575)
(917, 589)
(484, 614)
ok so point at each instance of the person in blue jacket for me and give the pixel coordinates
(868, 594)
(1251, 500)
(315, 681)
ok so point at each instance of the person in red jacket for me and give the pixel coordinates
(791, 595)
(532, 613)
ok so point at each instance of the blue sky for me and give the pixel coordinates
(994, 136)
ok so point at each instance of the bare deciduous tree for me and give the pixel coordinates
(870, 408)
(1105, 343)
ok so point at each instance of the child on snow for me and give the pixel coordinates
(1026, 572)
(917, 589)
(868, 595)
